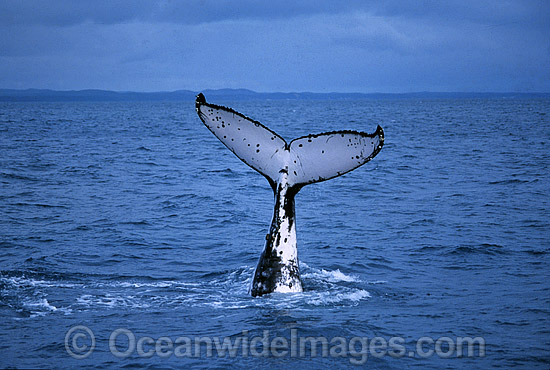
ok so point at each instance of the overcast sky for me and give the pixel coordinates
(300, 45)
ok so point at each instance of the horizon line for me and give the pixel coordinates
(29, 89)
(44, 95)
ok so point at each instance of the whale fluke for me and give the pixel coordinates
(255, 144)
(321, 157)
(287, 167)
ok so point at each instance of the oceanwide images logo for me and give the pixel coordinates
(80, 343)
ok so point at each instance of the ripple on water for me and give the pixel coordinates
(31, 294)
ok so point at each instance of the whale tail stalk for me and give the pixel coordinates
(288, 167)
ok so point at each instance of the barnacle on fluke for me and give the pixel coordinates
(288, 167)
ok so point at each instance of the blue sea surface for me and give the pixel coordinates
(133, 216)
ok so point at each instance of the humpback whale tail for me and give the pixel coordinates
(308, 159)
(288, 167)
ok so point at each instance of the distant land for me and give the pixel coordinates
(10, 95)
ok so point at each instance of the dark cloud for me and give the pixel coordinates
(299, 45)
(71, 12)
(480, 11)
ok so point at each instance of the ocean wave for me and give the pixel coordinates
(23, 282)
(40, 307)
(332, 276)
(341, 297)
(226, 289)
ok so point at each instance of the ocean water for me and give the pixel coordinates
(131, 222)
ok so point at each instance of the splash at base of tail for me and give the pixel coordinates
(288, 167)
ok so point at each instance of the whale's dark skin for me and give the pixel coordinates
(278, 268)
(287, 167)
